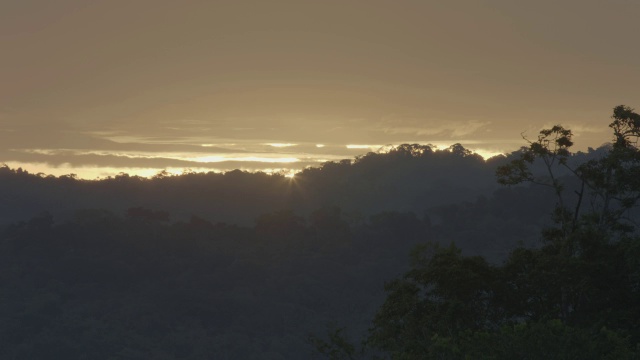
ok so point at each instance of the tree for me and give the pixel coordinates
(443, 295)
(577, 296)
(587, 248)
(611, 183)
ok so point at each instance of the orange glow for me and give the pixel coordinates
(355, 146)
(486, 153)
(218, 158)
(281, 145)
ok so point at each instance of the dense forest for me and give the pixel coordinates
(408, 178)
(414, 253)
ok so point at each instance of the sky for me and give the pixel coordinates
(100, 87)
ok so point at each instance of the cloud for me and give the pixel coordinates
(86, 161)
(579, 129)
(423, 127)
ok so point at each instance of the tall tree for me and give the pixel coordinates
(577, 296)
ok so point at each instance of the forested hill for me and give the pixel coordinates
(453, 190)
(408, 178)
(254, 266)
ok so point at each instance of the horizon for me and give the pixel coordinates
(101, 173)
(285, 163)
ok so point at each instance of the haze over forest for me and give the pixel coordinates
(254, 266)
(319, 180)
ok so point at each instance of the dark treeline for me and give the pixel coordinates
(255, 266)
(408, 178)
(454, 188)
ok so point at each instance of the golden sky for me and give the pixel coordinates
(97, 87)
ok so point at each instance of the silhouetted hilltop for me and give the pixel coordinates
(453, 189)
(407, 178)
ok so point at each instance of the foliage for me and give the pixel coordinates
(337, 347)
(575, 297)
(610, 183)
(442, 295)
(398, 180)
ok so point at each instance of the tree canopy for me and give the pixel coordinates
(576, 296)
